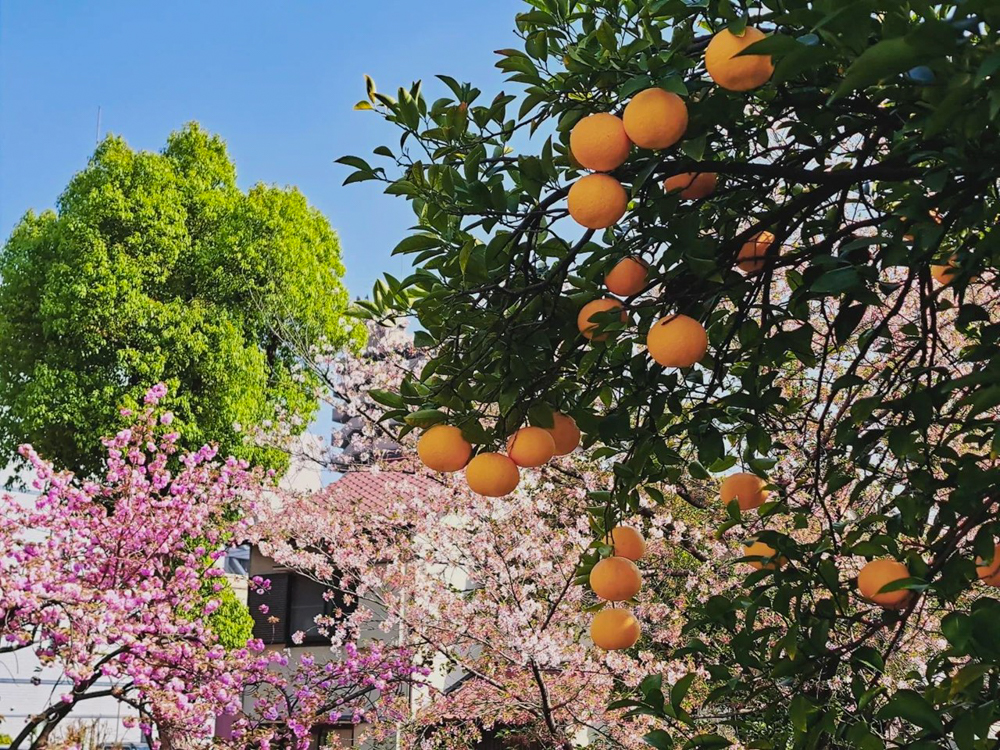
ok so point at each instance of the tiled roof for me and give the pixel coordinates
(369, 489)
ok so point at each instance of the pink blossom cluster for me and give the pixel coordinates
(114, 581)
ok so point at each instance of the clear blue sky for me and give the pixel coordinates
(277, 80)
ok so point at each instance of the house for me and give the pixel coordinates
(285, 615)
(293, 601)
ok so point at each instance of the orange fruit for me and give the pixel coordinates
(945, 274)
(990, 574)
(442, 448)
(597, 201)
(628, 277)
(942, 274)
(760, 549)
(531, 446)
(737, 73)
(746, 489)
(615, 579)
(598, 142)
(492, 474)
(692, 185)
(677, 341)
(565, 433)
(879, 573)
(628, 542)
(589, 327)
(655, 119)
(614, 629)
(754, 253)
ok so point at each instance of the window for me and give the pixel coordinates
(237, 560)
(306, 601)
(291, 605)
(343, 733)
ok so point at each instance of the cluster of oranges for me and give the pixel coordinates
(443, 448)
(617, 579)
(656, 119)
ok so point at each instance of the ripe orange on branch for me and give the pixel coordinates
(655, 119)
(492, 475)
(945, 274)
(628, 542)
(691, 186)
(754, 253)
(628, 277)
(565, 433)
(737, 73)
(614, 629)
(748, 490)
(442, 448)
(990, 574)
(598, 142)
(879, 573)
(589, 327)
(597, 201)
(531, 446)
(615, 579)
(760, 549)
(677, 341)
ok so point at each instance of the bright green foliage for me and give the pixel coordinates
(157, 267)
(232, 621)
(866, 390)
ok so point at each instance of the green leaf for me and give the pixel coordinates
(423, 340)
(680, 689)
(387, 398)
(707, 741)
(354, 161)
(799, 711)
(914, 708)
(425, 418)
(836, 281)
(415, 243)
(694, 148)
(658, 739)
(540, 415)
(697, 471)
(890, 57)
(775, 44)
(606, 36)
(886, 58)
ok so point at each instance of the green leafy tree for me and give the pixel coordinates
(840, 369)
(232, 621)
(157, 267)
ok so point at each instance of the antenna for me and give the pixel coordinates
(97, 132)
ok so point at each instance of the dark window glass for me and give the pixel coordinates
(306, 602)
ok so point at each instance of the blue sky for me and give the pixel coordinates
(277, 80)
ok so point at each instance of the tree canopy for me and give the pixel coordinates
(157, 267)
(851, 361)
